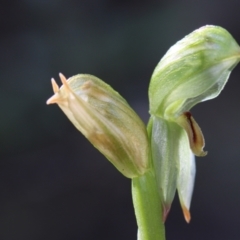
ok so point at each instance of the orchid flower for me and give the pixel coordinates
(106, 120)
(159, 159)
(194, 70)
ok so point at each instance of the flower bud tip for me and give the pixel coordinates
(64, 81)
(54, 99)
(54, 85)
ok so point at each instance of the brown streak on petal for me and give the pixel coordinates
(86, 85)
(195, 136)
(190, 120)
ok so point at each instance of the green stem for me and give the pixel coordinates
(148, 208)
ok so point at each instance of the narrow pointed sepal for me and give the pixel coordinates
(195, 136)
(55, 98)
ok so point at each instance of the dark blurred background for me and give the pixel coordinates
(53, 184)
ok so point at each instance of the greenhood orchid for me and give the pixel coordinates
(195, 69)
(159, 159)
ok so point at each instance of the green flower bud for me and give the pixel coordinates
(106, 120)
(195, 69)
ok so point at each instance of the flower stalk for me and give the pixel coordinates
(148, 211)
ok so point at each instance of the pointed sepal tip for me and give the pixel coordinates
(166, 210)
(186, 214)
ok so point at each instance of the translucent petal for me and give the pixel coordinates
(186, 175)
(165, 143)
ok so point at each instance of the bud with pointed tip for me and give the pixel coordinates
(106, 120)
(195, 69)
